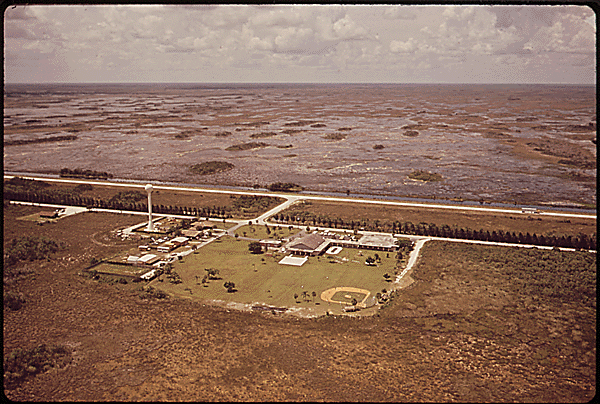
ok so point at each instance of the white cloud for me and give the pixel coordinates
(345, 28)
(356, 41)
(403, 47)
(398, 13)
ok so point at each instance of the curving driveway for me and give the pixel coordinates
(412, 259)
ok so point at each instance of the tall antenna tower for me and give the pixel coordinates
(149, 189)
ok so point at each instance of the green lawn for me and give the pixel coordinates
(222, 226)
(259, 278)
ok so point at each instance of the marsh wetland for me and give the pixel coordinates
(506, 143)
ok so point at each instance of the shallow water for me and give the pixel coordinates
(158, 131)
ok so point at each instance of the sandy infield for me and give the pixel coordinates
(328, 294)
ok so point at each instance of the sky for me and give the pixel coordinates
(300, 44)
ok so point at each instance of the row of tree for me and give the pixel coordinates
(582, 241)
(81, 173)
(59, 198)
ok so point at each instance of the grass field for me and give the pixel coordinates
(259, 277)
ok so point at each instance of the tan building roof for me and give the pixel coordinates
(148, 258)
(190, 233)
(309, 242)
(180, 240)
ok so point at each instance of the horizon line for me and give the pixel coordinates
(288, 83)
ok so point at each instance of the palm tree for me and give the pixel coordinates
(314, 294)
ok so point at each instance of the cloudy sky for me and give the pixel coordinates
(318, 44)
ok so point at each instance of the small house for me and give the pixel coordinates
(179, 241)
(165, 248)
(192, 234)
(268, 243)
(204, 225)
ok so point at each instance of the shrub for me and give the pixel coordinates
(150, 292)
(255, 247)
(425, 176)
(263, 134)
(21, 364)
(13, 301)
(211, 167)
(29, 248)
(335, 136)
(230, 286)
(284, 187)
(246, 146)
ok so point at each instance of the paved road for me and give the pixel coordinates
(309, 197)
(414, 254)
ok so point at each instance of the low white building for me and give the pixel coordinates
(166, 247)
(148, 275)
(148, 259)
(179, 241)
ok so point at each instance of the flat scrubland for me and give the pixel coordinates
(477, 323)
(385, 215)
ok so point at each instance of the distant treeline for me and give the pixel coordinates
(40, 140)
(80, 173)
(423, 229)
(284, 187)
